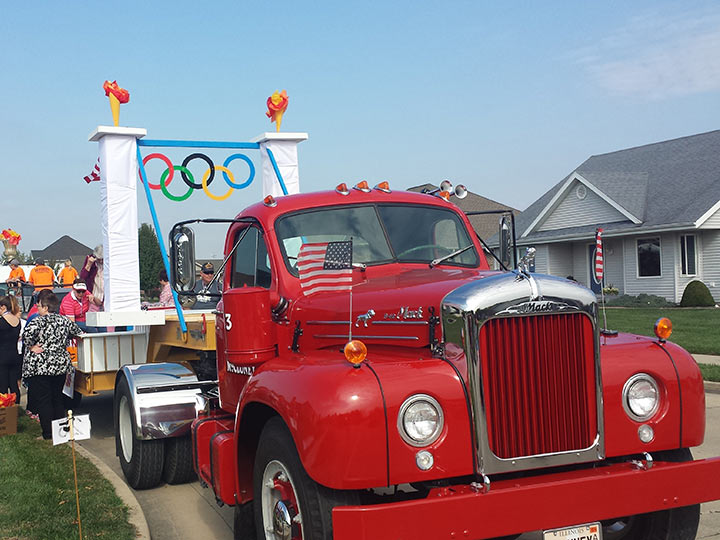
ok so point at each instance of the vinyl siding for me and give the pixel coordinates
(580, 262)
(613, 250)
(660, 286)
(711, 262)
(713, 222)
(574, 212)
(541, 258)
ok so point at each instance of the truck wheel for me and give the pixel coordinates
(289, 505)
(676, 524)
(178, 466)
(141, 461)
(244, 522)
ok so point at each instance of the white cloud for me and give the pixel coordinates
(658, 57)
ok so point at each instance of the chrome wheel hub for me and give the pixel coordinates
(280, 507)
(282, 524)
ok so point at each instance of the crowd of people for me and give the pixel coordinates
(34, 351)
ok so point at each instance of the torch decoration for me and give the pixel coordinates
(117, 96)
(277, 105)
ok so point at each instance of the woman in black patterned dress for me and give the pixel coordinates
(47, 360)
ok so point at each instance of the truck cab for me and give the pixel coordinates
(377, 379)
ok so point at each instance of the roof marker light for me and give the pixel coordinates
(384, 187)
(362, 186)
(445, 195)
(663, 328)
(269, 201)
(355, 352)
(342, 189)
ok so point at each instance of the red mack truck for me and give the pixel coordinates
(376, 379)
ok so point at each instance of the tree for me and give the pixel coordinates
(150, 259)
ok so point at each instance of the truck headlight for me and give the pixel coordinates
(641, 397)
(420, 420)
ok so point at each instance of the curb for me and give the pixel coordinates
(136, 517)
(712, 387)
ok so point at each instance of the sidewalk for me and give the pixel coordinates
(712, 387)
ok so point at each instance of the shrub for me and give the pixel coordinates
(696, 294)
(641, 300)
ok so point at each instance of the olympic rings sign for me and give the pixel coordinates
(207, 177)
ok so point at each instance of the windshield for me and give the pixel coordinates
(380, 233)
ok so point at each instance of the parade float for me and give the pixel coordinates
(375, 378)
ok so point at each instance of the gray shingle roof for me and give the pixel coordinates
(662, 184)
(61, 249)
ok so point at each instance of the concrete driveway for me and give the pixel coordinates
(188, 512)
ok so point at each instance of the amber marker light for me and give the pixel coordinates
(355, 352)
(445, 195)
(269, 201)
(663, 328)
(342, 189)
(384, 187)
(363, 186)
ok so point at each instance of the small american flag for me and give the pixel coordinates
(599, 259)
(325, 267)
(94, 176)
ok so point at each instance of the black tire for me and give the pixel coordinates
(308, 509)
(676, 524)
(140, 461)
(244, 522)
(178, 466)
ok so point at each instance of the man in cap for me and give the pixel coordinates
(68, 274)
(76, 304)
(41, 276)
(17, 274)
(202, 287)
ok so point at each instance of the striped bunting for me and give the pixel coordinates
(94, 176)
(325, 267)
(599, 259)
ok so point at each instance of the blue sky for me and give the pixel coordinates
(507, 98)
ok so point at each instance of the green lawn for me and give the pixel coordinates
(695, 329)
(37, 492)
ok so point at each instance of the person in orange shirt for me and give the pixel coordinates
(41, 276)
(67, 275)
(17, 274)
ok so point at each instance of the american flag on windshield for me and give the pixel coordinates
(325, 267)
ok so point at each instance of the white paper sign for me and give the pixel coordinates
(61, 429)
(69, 386)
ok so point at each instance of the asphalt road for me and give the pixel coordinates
(188, 512)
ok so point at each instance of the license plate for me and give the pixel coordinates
(591, 531)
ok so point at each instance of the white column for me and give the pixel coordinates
(284, 149)
(118, 197)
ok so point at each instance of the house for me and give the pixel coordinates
(485, 225)
(63, 248)
(659, 207)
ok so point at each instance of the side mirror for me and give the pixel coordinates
(505, 237)
(182, 258)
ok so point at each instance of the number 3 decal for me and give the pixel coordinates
(228, 322)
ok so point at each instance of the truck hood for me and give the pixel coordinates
(388, 308)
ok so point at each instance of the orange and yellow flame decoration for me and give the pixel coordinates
(277, 104)
(11, 236)
(117, 96)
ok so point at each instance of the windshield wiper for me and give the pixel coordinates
(437, 261)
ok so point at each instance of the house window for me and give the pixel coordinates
(687, 255)
(648, 257)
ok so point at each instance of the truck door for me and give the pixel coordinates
(245, 331)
